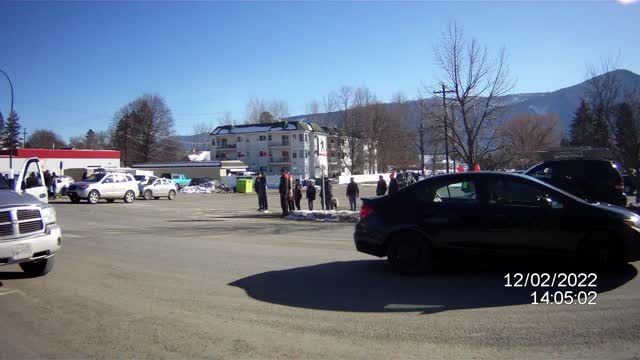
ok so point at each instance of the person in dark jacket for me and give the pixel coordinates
(327, 195)
(47, 182)
(311, 194)
(297, 193)
(261, 190)
(353, 193)
(284, 189)
(393, 184)
(381, 189)
(54, 185)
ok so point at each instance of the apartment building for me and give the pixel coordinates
(306, 149)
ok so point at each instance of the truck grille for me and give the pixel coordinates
(20, 221)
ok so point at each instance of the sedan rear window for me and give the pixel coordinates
(464, 191)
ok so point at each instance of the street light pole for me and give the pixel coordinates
(11, 128)
(422, 147)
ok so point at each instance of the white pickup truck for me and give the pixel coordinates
(29, 233)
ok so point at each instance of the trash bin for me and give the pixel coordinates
(244, 185)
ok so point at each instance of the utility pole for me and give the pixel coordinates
(10, 136)
(422, 148)
(126, 137)
(444, 93)
(24, 138)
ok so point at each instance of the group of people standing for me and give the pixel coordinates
(291, 193)
(381, 188)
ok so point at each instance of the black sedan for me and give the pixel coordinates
(493, 212)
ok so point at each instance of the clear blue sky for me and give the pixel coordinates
(75, 64)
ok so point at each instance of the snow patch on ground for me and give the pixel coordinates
(325, 216)
(210, 187)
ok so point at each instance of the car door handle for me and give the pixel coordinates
(43, 195)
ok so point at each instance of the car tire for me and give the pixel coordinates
(94, 197)
(148, 195)
(74, 199)
(111, 201)
(409, 254)
(129, 197)
(598, 251)
(38, 267)
(172, 194)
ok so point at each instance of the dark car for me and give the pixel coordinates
(492, 212)
(592, 180)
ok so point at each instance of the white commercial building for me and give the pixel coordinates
(57, 160)
(303, 148)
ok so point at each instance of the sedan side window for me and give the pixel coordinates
(464, 191)
(544, 173)
(108, 180)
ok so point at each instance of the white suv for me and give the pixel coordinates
(110, 187)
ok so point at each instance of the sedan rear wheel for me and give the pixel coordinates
(148, 195)
(129, 197)
(600, 252)
(93, 197)
(409, 254)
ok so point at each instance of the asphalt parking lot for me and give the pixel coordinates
(205, 276)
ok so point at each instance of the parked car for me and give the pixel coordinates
(144, 178)
(199, 181)
(495, 212)
(62, 184)
(156, 188)
(109, 186)
(181, 180)
(592, 180)
(29, 233)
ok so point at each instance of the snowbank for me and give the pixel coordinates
(326, 216)
(207, 188)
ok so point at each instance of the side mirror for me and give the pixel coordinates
(545, 202)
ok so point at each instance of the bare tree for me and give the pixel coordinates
(524, 136)
(141, 128)
(226, 119)
(279, 109)
(256, 107)
(478, 85)
(45, 139)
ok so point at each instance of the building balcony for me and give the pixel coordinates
(279, 143)
(280, 160)
(223, 147)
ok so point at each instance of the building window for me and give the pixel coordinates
(307, 155)
(295, 155)
(270, 153)
(262, 138)
(213, 142)
(239, 139)
(301, 137)
(306, 137)
(269, 137)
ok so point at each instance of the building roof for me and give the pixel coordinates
(191, 164)
(275, 126)
(63, 154)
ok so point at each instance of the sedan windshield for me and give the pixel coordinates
(95, 177)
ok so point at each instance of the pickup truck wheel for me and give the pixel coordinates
(148, 195)
(75, 199)
(408, 254)
(172, 195)
(38, 267)
(93, 197)
(129, 196)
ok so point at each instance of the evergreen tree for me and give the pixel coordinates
(627, 135)
(90, 140)
(581, 128)
(600, 129)
(11, 132)
(1, 129)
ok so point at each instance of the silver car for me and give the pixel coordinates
(155, 188)
(105, 186)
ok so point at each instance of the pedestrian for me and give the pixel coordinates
(460, 168)
(47, 182)
(84, 176)
(311, 193)
(261, 190)
(284, 190)
(297, 193)
(353, 193)
(292, 205)
(476, 167)
(54, 185)
(393, 184)
(327, 195)
(32, 181)
(381, 189)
